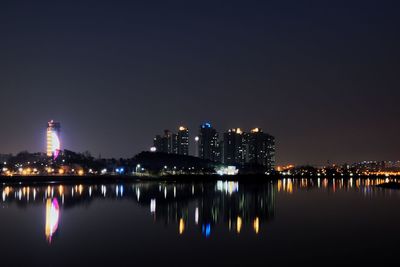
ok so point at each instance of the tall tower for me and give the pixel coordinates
(183, 141)
(261, 148)
(209, 143)
(166, 143)
(53, 139)
(233, 152)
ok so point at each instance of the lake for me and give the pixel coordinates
(213, 223)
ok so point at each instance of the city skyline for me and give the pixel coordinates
(191, 146)
(321, 77)
(199, 133)
(245, 149)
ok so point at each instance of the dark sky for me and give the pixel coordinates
(323, 77)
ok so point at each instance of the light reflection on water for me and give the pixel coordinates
(231, 204)
(52, 217)
(204, 204)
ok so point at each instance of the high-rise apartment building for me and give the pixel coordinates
(209, 143)
(166, 143)
(233, 147)
(183, 141)
(261, 148)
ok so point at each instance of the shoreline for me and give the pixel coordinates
(167, 178)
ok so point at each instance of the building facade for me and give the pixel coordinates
(233, 147)
(208, 143)
(260, 148)
(183, 141)
(166, 143)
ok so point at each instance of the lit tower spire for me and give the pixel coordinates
(53, 139)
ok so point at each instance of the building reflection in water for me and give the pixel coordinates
(196, 207)
(204, 206)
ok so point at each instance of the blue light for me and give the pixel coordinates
(206, 125)
(206, 229)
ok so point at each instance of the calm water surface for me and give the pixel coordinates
(314, 221)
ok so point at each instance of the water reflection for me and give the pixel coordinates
(363, 185)
(52, 217)
(198, 207)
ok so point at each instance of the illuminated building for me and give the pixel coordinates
(208, 143)
(229, 170)
(256, 148)
(233, 152)
(53, 139)
(167, 143)
(183, 141)
(261, 148)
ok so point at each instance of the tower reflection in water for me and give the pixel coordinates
(52, 217)
(199, 207)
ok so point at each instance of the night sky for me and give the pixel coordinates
(323, 77)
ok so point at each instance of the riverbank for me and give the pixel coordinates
(170, 178)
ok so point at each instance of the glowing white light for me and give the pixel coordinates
(153, 205)
(196, 215)
(230, 170)
(55, 142)
(228, 187)
(138, 194)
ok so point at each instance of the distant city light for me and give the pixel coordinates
(230, 170)
(206, 125)
(119, 170)
(153, 149)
